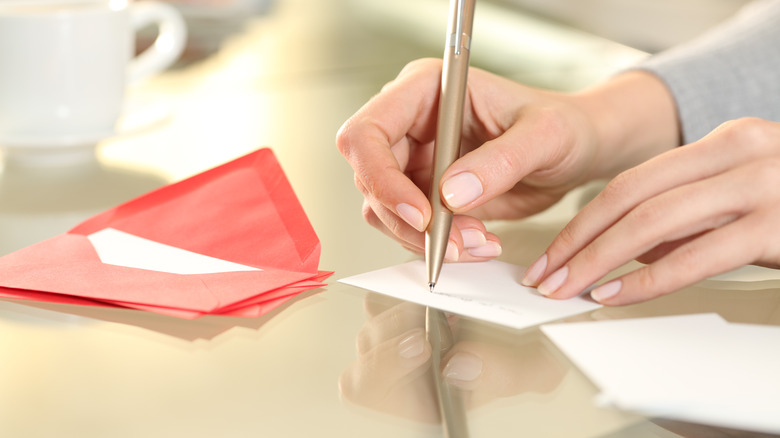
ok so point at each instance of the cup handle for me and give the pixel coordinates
(168, 45)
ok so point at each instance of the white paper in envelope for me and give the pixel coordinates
(118, 248)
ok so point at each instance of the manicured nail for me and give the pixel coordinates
(554, 281)
(535, 271)
(606, 291)
(461, 189)
(411, 215)
(462, 368)
(473, 238)
(489, 249)
(412, 345)
(451, 254)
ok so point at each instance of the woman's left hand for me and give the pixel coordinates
(690, 213)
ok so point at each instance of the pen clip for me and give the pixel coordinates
(459, 39)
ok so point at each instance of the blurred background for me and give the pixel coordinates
(287, 73)
(645, 25)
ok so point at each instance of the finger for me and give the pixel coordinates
(673, 215)
(748, 239)
(386, 221)
(712, 253)
(478, 243)
(379, 217)
(401, 115)
(470, 241)
(706, 158)
(389, 324)
(487, 251)
(471, 229)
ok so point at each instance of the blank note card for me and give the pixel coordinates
(490, 291)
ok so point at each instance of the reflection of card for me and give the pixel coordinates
(490, 291)
(696, 368)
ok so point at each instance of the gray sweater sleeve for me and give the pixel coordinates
(729, 72)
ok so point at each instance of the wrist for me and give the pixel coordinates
(634, 118)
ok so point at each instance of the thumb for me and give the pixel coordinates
(538, 143)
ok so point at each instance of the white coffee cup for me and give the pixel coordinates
(65, 66)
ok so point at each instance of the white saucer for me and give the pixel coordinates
(56, 142)
(138, 116)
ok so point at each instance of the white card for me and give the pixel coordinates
(490, 291)
(696, 368)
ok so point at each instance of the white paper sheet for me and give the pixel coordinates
(115, 247)
(696, 368)
(489, 291)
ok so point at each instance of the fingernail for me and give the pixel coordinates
(606, 291)
(462, 368)
(473, 238)
(535, 271)
(489, 249)
(461, 189)
(451, 254)
(554, 281)
(411, 346)
(411, 215)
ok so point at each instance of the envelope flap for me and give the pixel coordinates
(244, 211)
(68, 265)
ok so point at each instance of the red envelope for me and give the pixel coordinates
(243, 212)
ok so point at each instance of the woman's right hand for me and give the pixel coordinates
(522, 150)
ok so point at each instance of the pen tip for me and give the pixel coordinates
(431, 285)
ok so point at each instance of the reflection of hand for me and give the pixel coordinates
(392, 371)
(523, 149)
(486, 371)
(693, 212)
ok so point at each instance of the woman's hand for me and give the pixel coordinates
(522, 150)
(697, 211)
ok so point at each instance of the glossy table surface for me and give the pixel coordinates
(288, 80)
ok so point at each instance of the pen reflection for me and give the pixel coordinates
(392, 371)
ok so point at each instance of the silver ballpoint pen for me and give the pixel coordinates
(448, 129)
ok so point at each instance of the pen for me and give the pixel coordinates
(448, 129)
(450, 400)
